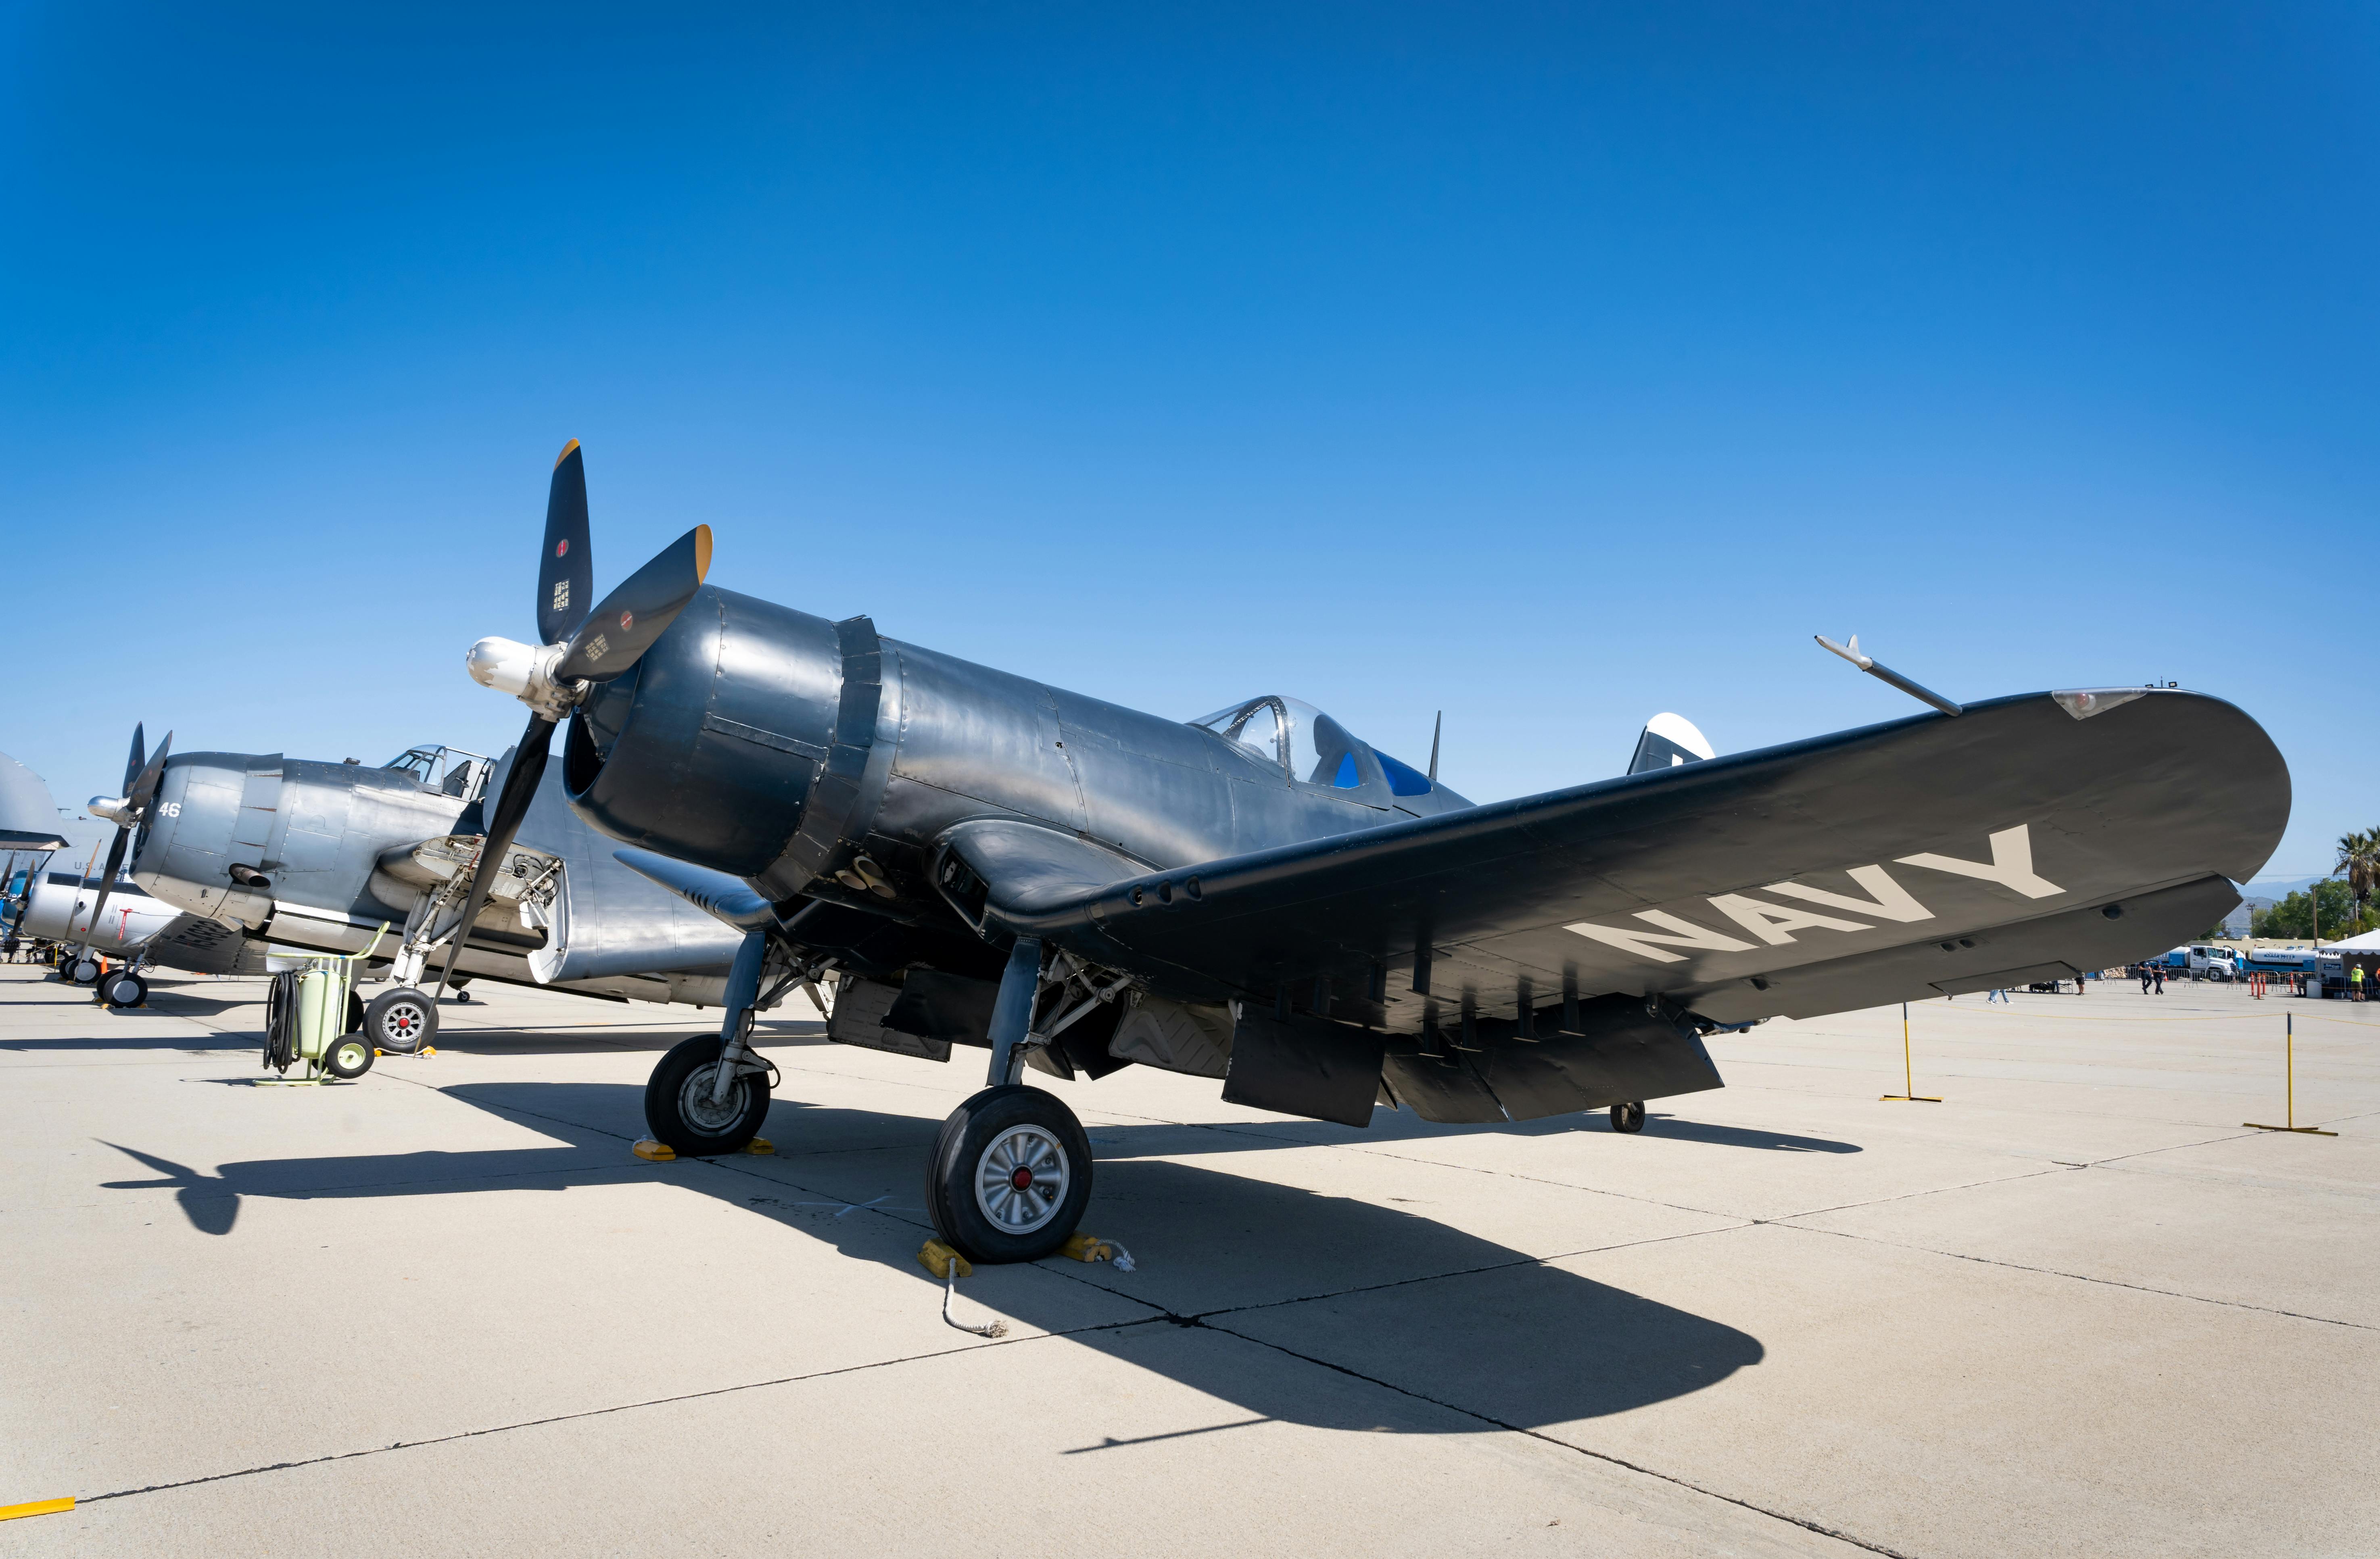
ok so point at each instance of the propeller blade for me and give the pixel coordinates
(107, 878)
(512, 805)
(632, 617)
(142, 788)
(132, 765)
(566, 570)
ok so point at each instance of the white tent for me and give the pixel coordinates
(2368, 943)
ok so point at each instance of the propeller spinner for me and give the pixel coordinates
(580, 647)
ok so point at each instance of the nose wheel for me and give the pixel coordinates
(1009, 1175)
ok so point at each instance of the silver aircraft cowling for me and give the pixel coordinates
(134, 925)
(299, 853)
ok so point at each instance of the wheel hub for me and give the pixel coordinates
(695, 1108)
(1021, 1179)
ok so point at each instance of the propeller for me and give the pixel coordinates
(128, 812)
(580, 647)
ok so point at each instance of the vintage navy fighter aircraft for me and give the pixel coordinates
(1260, 896)
(239, 849)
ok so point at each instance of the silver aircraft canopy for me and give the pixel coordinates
(447, 768)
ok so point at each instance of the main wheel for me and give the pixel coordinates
(83, 970)
(123, 990)
(1628, 1117)
(1009, 1175)
(678, 1106)
(350, 1056)
(400, 1021)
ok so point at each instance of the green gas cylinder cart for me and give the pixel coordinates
(313, 1014)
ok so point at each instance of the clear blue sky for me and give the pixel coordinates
(1552, 366)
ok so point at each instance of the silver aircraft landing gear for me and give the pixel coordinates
(1011, 1171)
(400, 1021)
(1628, 1117)
(122, 990)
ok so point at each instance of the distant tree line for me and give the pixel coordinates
(2345, 903)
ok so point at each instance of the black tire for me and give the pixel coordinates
(82, 970)
(1029, 1132)
(677, 1103)
(1629, 1117)
(349, 1055)
(123, 991)
(401, 1021)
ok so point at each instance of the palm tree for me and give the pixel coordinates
(2359, 862)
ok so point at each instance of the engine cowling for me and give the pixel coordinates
(738, 705)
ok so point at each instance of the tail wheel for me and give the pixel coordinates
(400, 1021)
(1009, 1175)
(1628, 1117)
(681, 1109)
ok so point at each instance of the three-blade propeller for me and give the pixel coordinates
(140, 777)
(580, 647)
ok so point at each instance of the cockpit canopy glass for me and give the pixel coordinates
(447, 768)
(1315, 747)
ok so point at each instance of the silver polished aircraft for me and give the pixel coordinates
(336, 858)
(1260, 896)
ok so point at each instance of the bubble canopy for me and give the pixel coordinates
(1315, 749)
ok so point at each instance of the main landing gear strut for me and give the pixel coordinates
(1011, 1170)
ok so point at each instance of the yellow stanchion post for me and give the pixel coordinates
(1908, 1074)
(2290, 1084)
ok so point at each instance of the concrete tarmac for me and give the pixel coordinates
(2074, 1308)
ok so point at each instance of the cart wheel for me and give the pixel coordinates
(400, 1021)
(349, 1056)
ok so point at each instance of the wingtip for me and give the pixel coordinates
(567, 451)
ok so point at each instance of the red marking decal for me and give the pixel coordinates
(627, 621)
(562, 546)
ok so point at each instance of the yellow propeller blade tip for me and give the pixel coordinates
(701, 552)
(566, 454)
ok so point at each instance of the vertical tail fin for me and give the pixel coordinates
(1666, 742)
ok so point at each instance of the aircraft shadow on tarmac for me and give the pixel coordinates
(1548, 1346)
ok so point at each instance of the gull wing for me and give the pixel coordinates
(2027, 837)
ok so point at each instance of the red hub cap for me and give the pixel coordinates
(1021, 1178)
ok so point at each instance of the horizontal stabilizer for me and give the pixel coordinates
(713, 893)
(1666, 742)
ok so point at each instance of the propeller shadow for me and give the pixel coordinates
(1547, 1345)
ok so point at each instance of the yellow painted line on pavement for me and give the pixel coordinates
(36, 1507)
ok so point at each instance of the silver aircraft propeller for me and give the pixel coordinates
(128, 812)
(580, 648)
